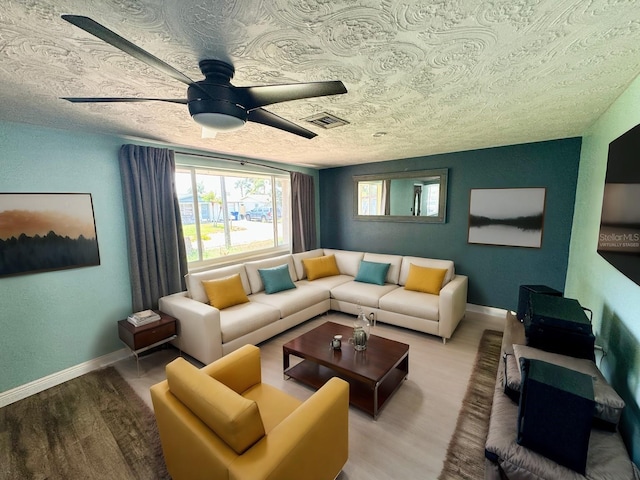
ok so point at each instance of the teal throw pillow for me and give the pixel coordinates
(276, 279)
(372, 272)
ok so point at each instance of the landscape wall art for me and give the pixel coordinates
(507, 216)
(46, 231)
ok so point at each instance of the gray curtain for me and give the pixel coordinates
(157, 258)
(303, 200)
(386, 196)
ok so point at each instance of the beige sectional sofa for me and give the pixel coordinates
(207, 333)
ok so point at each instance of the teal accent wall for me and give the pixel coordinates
(614, 299)
(495, 272)
(55, 320)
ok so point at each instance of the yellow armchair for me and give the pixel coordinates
(222, 422)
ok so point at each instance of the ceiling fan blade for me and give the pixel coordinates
(259, 96)
(112, 38)
(183, 101)
(260, 115)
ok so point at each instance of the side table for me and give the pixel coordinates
(143, 338)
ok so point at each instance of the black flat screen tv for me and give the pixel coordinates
(619, 238)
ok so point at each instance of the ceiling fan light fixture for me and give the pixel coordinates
(218, 121)
(208, 133)
(214, 103)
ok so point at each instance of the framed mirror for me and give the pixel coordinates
(418, 196)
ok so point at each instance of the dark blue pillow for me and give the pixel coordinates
(372, 272)
(276, 279)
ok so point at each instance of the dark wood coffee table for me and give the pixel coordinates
(373, 374)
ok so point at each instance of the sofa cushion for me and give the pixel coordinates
(292, 301)
(319, 267)
(194, 280)
(327, 283)
(394, 261)
(225, 292)
(242, 319)
(413, 304)
(276, 279)
(253, 275)
(297, 261)
(365, 294)
(235, 419)
(609, 404)
(425, 262)
(348, 262)
(425, 279)
(372, 272)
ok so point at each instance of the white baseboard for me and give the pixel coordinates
(496, 312)
(41, 384)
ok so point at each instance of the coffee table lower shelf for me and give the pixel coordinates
(367, 397)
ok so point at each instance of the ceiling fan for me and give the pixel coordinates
(213, 102)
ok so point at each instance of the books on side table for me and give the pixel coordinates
(142, 318)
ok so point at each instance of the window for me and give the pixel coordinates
(370, 198)
(232, 214)
(431, 195)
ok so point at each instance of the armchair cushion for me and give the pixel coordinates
(235, 419)
(274, 404)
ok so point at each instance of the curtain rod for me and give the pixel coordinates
(241, 162)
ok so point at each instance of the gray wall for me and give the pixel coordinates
(495, 272)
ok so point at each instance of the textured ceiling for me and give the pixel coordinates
(433, 75)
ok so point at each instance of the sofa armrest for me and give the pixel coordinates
(315, 437)
(453, 304)
(199, 333)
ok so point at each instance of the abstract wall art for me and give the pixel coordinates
(46, 231)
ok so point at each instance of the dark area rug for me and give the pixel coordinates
(91, 427)
(465, 454)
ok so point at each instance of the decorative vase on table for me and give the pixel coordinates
(361, 331)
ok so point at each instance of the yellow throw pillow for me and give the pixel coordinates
(319, 267)
(225, 292)
(425, 279)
